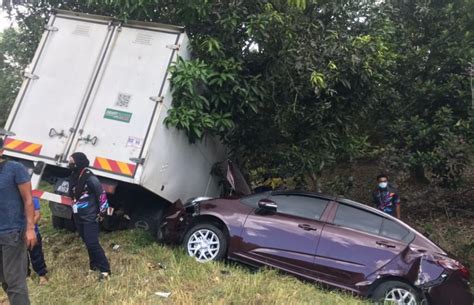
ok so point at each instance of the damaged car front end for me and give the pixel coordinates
(178, 219)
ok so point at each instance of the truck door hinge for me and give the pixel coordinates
(58, 158)
(173, 46)
(157, 99)
(50, 28)
(138, 160)
(31, 76)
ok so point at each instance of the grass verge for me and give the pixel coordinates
(138, 274)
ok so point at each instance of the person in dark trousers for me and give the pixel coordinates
(385, 197)
(90, 204)
(36, 254)
(17, 230)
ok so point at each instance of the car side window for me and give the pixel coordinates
(301, 206)
(393, 230)
(358, 219)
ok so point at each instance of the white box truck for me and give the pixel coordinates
(101, 86)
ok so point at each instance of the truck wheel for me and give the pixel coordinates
(397, 293)
(148, 220)
(69, 225)
(58, 222)
(205, 242)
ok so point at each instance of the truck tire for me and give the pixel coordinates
(148, 220)
(57, 222)
(69, 225)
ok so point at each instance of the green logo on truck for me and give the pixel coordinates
(116, 115)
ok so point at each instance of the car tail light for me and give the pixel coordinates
(465, 273)
(452, 264)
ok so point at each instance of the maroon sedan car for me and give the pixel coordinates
(334, 241)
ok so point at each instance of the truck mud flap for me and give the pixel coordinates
(60, 210)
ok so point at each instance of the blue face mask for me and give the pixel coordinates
(383, 185)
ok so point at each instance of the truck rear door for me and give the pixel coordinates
(125, 100)
(51, 99)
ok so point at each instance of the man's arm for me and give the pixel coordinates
(396, 200)
(30, 236)
(375, 199)
(37, 216)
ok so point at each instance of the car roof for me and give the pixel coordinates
(305, 193)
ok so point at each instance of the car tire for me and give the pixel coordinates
(57, 222)
(390, 292)
(205, 242)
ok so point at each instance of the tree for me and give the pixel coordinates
(294, 86)
(427, 118)
(9, 72)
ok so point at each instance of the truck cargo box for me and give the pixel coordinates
(100, 86)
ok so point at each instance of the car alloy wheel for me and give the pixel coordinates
(204, 245)
(396, 293)
(400, 296)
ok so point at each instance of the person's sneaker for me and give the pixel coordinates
(104, 276)
(43, 280)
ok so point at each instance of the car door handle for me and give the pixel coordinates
(384, 244)
(307, 227)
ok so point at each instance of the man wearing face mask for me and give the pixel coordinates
(90, 204)
(386, 198)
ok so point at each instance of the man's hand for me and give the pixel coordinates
(30, 238)
(30, 235)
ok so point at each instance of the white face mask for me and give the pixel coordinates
(383, 185)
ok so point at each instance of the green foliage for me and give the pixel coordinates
(438, 145)
(427, 117)
(9, 72)
(295, 86)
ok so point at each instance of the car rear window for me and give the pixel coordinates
(368, 222)
(358, 219)
(393, 230)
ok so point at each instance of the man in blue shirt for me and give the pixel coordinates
(17, 229)
(385, 197)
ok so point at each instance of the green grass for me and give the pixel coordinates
(137, 275)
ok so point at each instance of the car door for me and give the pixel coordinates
(288, 238)
(356, 244)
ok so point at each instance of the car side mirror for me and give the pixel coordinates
(267, 205)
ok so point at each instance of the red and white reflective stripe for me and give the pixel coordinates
(52, 197)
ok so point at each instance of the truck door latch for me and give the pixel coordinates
(53, 133)
(89, 139)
